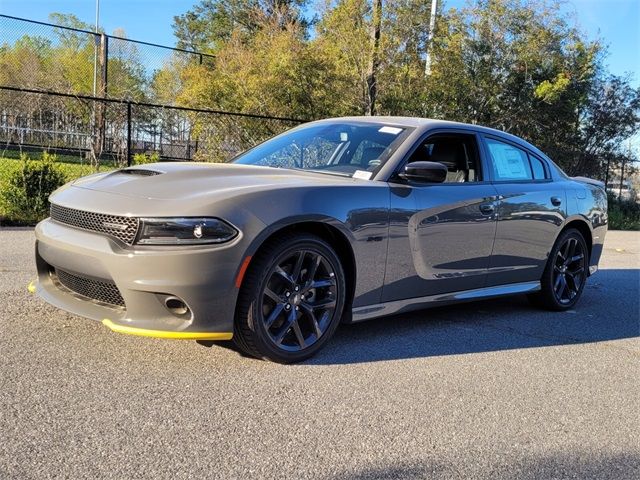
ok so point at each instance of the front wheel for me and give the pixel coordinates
(291, 300)
(565, 274)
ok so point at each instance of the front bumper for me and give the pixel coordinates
(203, 277)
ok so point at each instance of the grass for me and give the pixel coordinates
(37, 155)
(71, 170)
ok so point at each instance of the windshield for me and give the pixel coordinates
(339, 148)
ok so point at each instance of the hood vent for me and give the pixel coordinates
(139, 171)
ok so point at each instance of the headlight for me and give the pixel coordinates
(184, 231)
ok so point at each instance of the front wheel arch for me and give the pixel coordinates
(327, 232)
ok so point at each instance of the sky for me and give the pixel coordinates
(617, 22)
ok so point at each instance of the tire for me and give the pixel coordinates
(291, 299)
(565, 274)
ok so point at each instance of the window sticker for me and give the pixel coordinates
(510, 162)
(391, 130)
(362, 174)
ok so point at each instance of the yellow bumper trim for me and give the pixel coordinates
(32, 287)
(166, 334)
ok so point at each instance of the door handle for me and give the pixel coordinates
(487, 208)
(556, 201)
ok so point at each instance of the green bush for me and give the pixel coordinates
(10, 167)
(623, 214)
(142, 158)
(25, 191)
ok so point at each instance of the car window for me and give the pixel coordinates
(368, 154)
(456, 152)
(537, 167)
(314, 153)
(509, 162)
(294, 155)
(329, 147)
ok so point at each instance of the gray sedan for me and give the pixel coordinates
(339, 220)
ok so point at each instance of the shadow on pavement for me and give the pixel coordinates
(583, 465)
(608, 310)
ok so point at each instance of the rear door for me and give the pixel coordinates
(531, 210)
(441, 234)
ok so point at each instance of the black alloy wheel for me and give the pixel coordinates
(565, 274)
(569, 272)
(299, 300)
(292, 299)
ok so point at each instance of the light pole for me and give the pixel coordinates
(96, 146)
(95, 48)
(432, 25)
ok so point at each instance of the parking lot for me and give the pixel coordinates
(494, 389)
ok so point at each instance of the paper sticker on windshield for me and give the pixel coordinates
(391, 130)
(362, 174)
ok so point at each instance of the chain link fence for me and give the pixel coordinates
(99, 129)
(45, 56)
(101, 98)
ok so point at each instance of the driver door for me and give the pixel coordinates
(441, 234)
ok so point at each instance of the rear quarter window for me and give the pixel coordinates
(537, 167)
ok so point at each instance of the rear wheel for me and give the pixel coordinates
(565, 274)
(291, 299)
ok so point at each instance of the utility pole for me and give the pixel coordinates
(432, 26)
(374, 59)
(96, 41)
(101, 46)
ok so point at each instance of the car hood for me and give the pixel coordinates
(166, 181)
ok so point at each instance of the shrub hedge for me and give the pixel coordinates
(623, 214)
(25, 185)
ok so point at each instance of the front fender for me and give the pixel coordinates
(360, 215)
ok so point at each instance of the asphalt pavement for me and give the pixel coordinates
(487, 390)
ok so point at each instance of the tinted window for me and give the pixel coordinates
(368, 153)
(456, 152)
(509, 162)
(538, 168)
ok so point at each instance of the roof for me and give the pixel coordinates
(424, 123)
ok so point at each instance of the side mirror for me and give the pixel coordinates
(428, 172)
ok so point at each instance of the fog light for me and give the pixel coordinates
(176, 306)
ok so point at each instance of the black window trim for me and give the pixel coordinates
(481, 154)
(547, 171)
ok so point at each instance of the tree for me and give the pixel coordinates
(343, 39)
(404, 36)
(126, 73)
(278, 73)
(212, 23)
(610, 116)
(516, 65)
(378, 53)
(521, 67)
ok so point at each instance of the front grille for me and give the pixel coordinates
(121, 227)
(103, 292)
